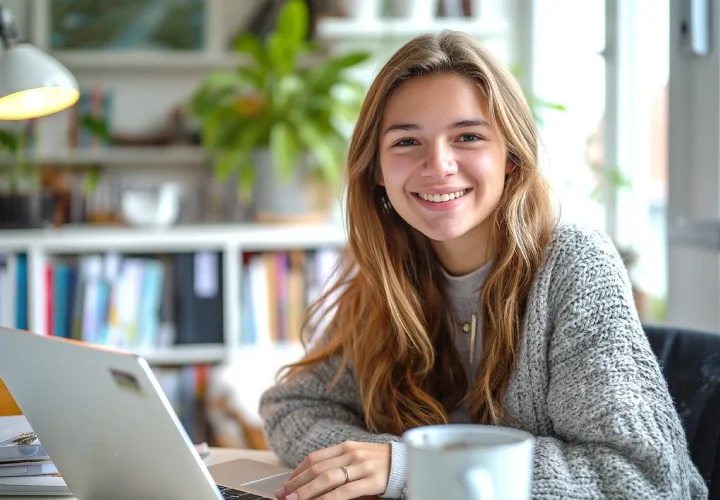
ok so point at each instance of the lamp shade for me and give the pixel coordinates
(33, 84)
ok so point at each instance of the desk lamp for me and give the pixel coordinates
(32, 83)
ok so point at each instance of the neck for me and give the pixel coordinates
(466, 253)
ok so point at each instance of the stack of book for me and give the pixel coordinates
(25, 466)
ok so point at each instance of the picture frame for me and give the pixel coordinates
(122, 30)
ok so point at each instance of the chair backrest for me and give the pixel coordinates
(8, 406)
(690, 362)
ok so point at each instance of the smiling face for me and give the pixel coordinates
(443, 166)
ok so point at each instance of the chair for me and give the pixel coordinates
(8, 406)
(690, 362)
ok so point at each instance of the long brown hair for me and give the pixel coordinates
(387, 314)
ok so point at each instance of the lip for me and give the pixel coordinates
(445, 190)
(444, 206)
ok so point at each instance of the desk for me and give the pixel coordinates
(217, 456)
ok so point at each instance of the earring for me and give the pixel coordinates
(386, 205)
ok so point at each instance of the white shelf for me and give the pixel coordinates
(350, 29)
(183, 354)
(124, 156)
(250, 237)
(158, 62)
(147, 61)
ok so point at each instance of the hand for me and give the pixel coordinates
(321, 476)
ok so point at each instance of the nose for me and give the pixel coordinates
(440, 162)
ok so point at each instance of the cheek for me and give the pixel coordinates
(488, 166)
(394, 171)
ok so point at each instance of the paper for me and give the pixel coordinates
(12, 426)
(206, 275)
(28, 469)
(25, 452)
(27, 485)
(39, 485)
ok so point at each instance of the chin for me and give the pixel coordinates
(441, 233)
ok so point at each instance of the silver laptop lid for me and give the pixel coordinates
(103, 418)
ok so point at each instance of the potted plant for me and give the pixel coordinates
(20, 200)
(276, 122)
(25, 200)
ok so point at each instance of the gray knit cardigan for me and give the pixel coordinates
(587, 385)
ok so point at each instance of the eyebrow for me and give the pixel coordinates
(458, 124)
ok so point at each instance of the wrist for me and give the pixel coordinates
(396, 481)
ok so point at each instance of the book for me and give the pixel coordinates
(10, 428)
(34, 485)
(17, 461)
(27, 468)
(22, 452)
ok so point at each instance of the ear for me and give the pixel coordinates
(509, 166)
(381, 181)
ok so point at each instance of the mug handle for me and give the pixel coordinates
(479, 484)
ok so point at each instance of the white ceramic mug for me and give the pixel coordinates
(474, 462)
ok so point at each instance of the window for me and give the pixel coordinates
(606, 62)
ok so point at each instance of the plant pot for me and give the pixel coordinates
(362, 10)
(298, 198)
(26, 211)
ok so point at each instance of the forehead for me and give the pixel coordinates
(432, 97)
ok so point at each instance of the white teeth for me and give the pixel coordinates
(439, 198)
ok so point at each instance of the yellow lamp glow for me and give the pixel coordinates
(37, 102)
(32, 83)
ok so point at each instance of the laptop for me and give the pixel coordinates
(109, 428)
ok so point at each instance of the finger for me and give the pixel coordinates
(355, 489)
(322, 455)
(315, 471)
(321, 485)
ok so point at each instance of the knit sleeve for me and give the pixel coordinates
(617, 433)
(305, 413)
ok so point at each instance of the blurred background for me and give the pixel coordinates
(188, 206)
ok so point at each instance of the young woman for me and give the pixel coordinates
(465, 301)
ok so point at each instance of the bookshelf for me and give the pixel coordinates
(148, 61)
(147, 87)
(342, 29)
(120, 156)
(230, 242)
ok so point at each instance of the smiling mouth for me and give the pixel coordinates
(442, 198)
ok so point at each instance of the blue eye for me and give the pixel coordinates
(469, 137)
(406, 142)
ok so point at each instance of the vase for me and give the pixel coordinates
(362, 10)
(295, 198)
(26, 211)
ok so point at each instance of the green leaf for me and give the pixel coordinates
(252, 76)
(222, 79)
(324, 76)
(346, 111)
(242, 139)
(320, 148)
(220, 131)
(91, 180)
(292, 23)
(246, 179)
(208, 102)
(281, 53)
(348, 60)
(283, 148)
(9, 141)
(228, 161)
(248, 43)
(356, 85)
(96, 127)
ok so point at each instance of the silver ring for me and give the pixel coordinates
(347, 476)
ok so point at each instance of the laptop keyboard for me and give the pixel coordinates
(233, 494)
